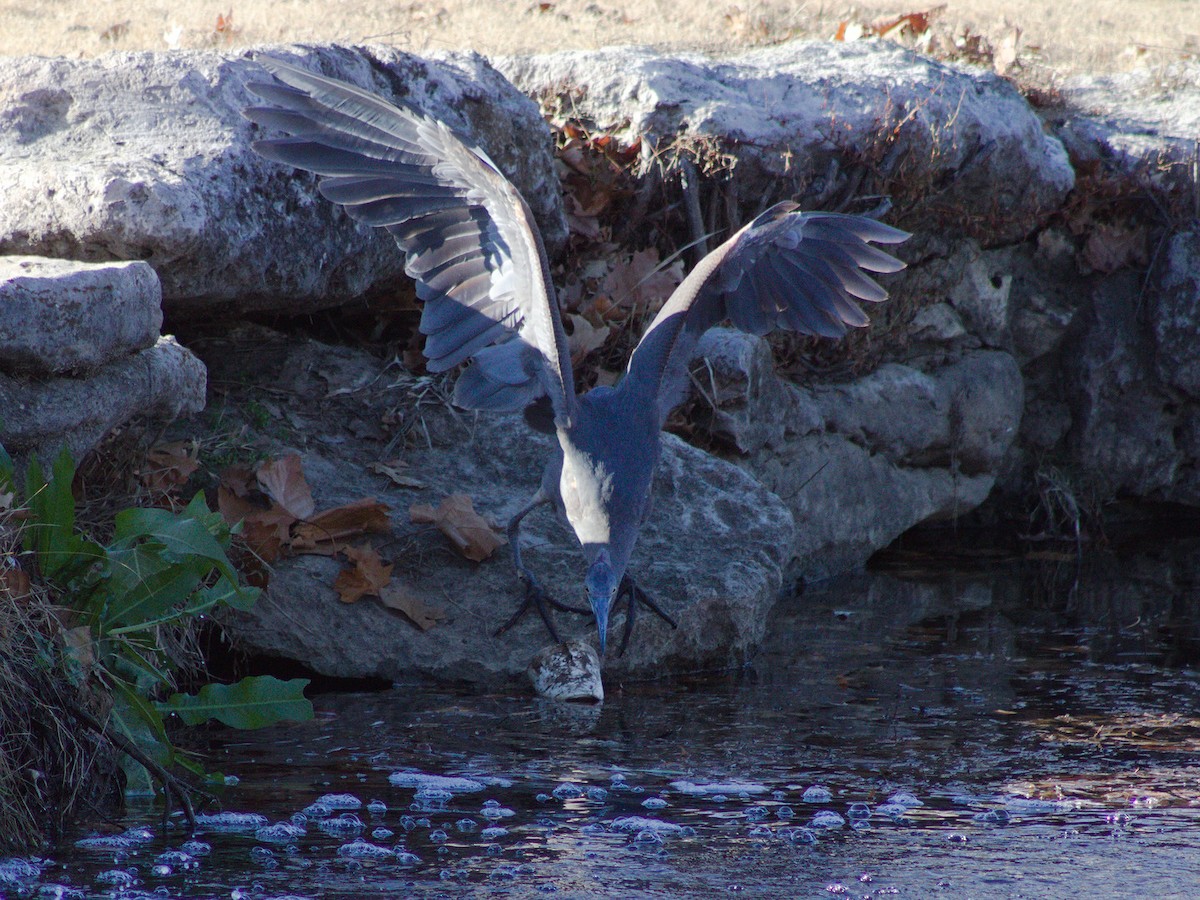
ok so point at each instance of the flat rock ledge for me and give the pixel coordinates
(63, 317)
(712, 554)
(146, 156)
(819, 122)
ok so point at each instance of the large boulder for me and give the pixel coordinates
(819, 120)
(145, 156)
(860, 463)
(712, 553)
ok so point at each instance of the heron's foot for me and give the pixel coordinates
(635, 597)
(541, 601)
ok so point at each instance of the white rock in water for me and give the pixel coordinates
(569, 671)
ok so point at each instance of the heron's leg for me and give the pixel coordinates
(634, 596)
(534, 595)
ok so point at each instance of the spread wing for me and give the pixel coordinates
(469, 239)
(796, 271)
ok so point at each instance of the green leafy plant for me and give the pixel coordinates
(161, 571)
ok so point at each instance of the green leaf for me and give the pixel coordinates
(254, 702)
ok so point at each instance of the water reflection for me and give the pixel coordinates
(983, 735)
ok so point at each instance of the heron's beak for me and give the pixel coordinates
(602, 583)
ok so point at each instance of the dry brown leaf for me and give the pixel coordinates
(468, 531)
(367, 574)
(14, 583)
(391, 471)
(337, 525)
(637, 282)
(1004, 56)
(6, 500)
(403, 600)
(169, 465)
(584, 337)
(283, 481)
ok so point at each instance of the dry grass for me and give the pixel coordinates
(1060, 38)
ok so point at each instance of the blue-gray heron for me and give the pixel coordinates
(476, 255)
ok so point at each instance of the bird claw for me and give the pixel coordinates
(635, 597)
(540, 600)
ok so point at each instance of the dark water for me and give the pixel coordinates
(1044, 721)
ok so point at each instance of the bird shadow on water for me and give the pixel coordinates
(986, 733)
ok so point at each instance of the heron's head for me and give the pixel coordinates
(602, 582)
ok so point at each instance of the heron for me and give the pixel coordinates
(483, 278)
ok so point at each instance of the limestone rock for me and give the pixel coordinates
(859, 464)
(146, 156)
(569, 671)
(59, 316)
(712, 554)
(787, 121)
(42, 415)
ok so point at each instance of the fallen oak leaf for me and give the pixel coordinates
(283, 481)
(337, 525)
(391, 471)
(403, 600)
(455, 517)
(169, 466)
(367, 574)
(585, 337)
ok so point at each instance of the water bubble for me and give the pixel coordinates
(14, 870)
(637, 789)
(957, 838)
(382, 834)
(196, 848)
(465, 825)
(496, 812)
(597, 794)
(408, 823)
(905, 799)
(317, 810)
(543, 798)
(421, 780)
(431, 798)
(567, 791)
(493, 833)
(858, 811)
(405, 858)
(345, 825)
(617, 777)
(139, 835)
(756, 813)
(279, 833)
(52, 891)
(892, 810)
(593, 828)
(438, 836)
(760, 831)
(993, 817)
(264, 856)
(785, 812)
(654, 803)
(648, 836)
(827, 818)
(818, 793)
(231, 821)
(364, 850)
(179, 859)
(719, 787)
(800, 835)
(718, 798)
(633, 824)
(493, 850)
(116, 878)
(158, 870)
(504, 873)
(340, 801)
(377, 807)
(231, 781)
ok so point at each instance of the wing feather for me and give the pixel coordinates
(469, 238)
(787, 269)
